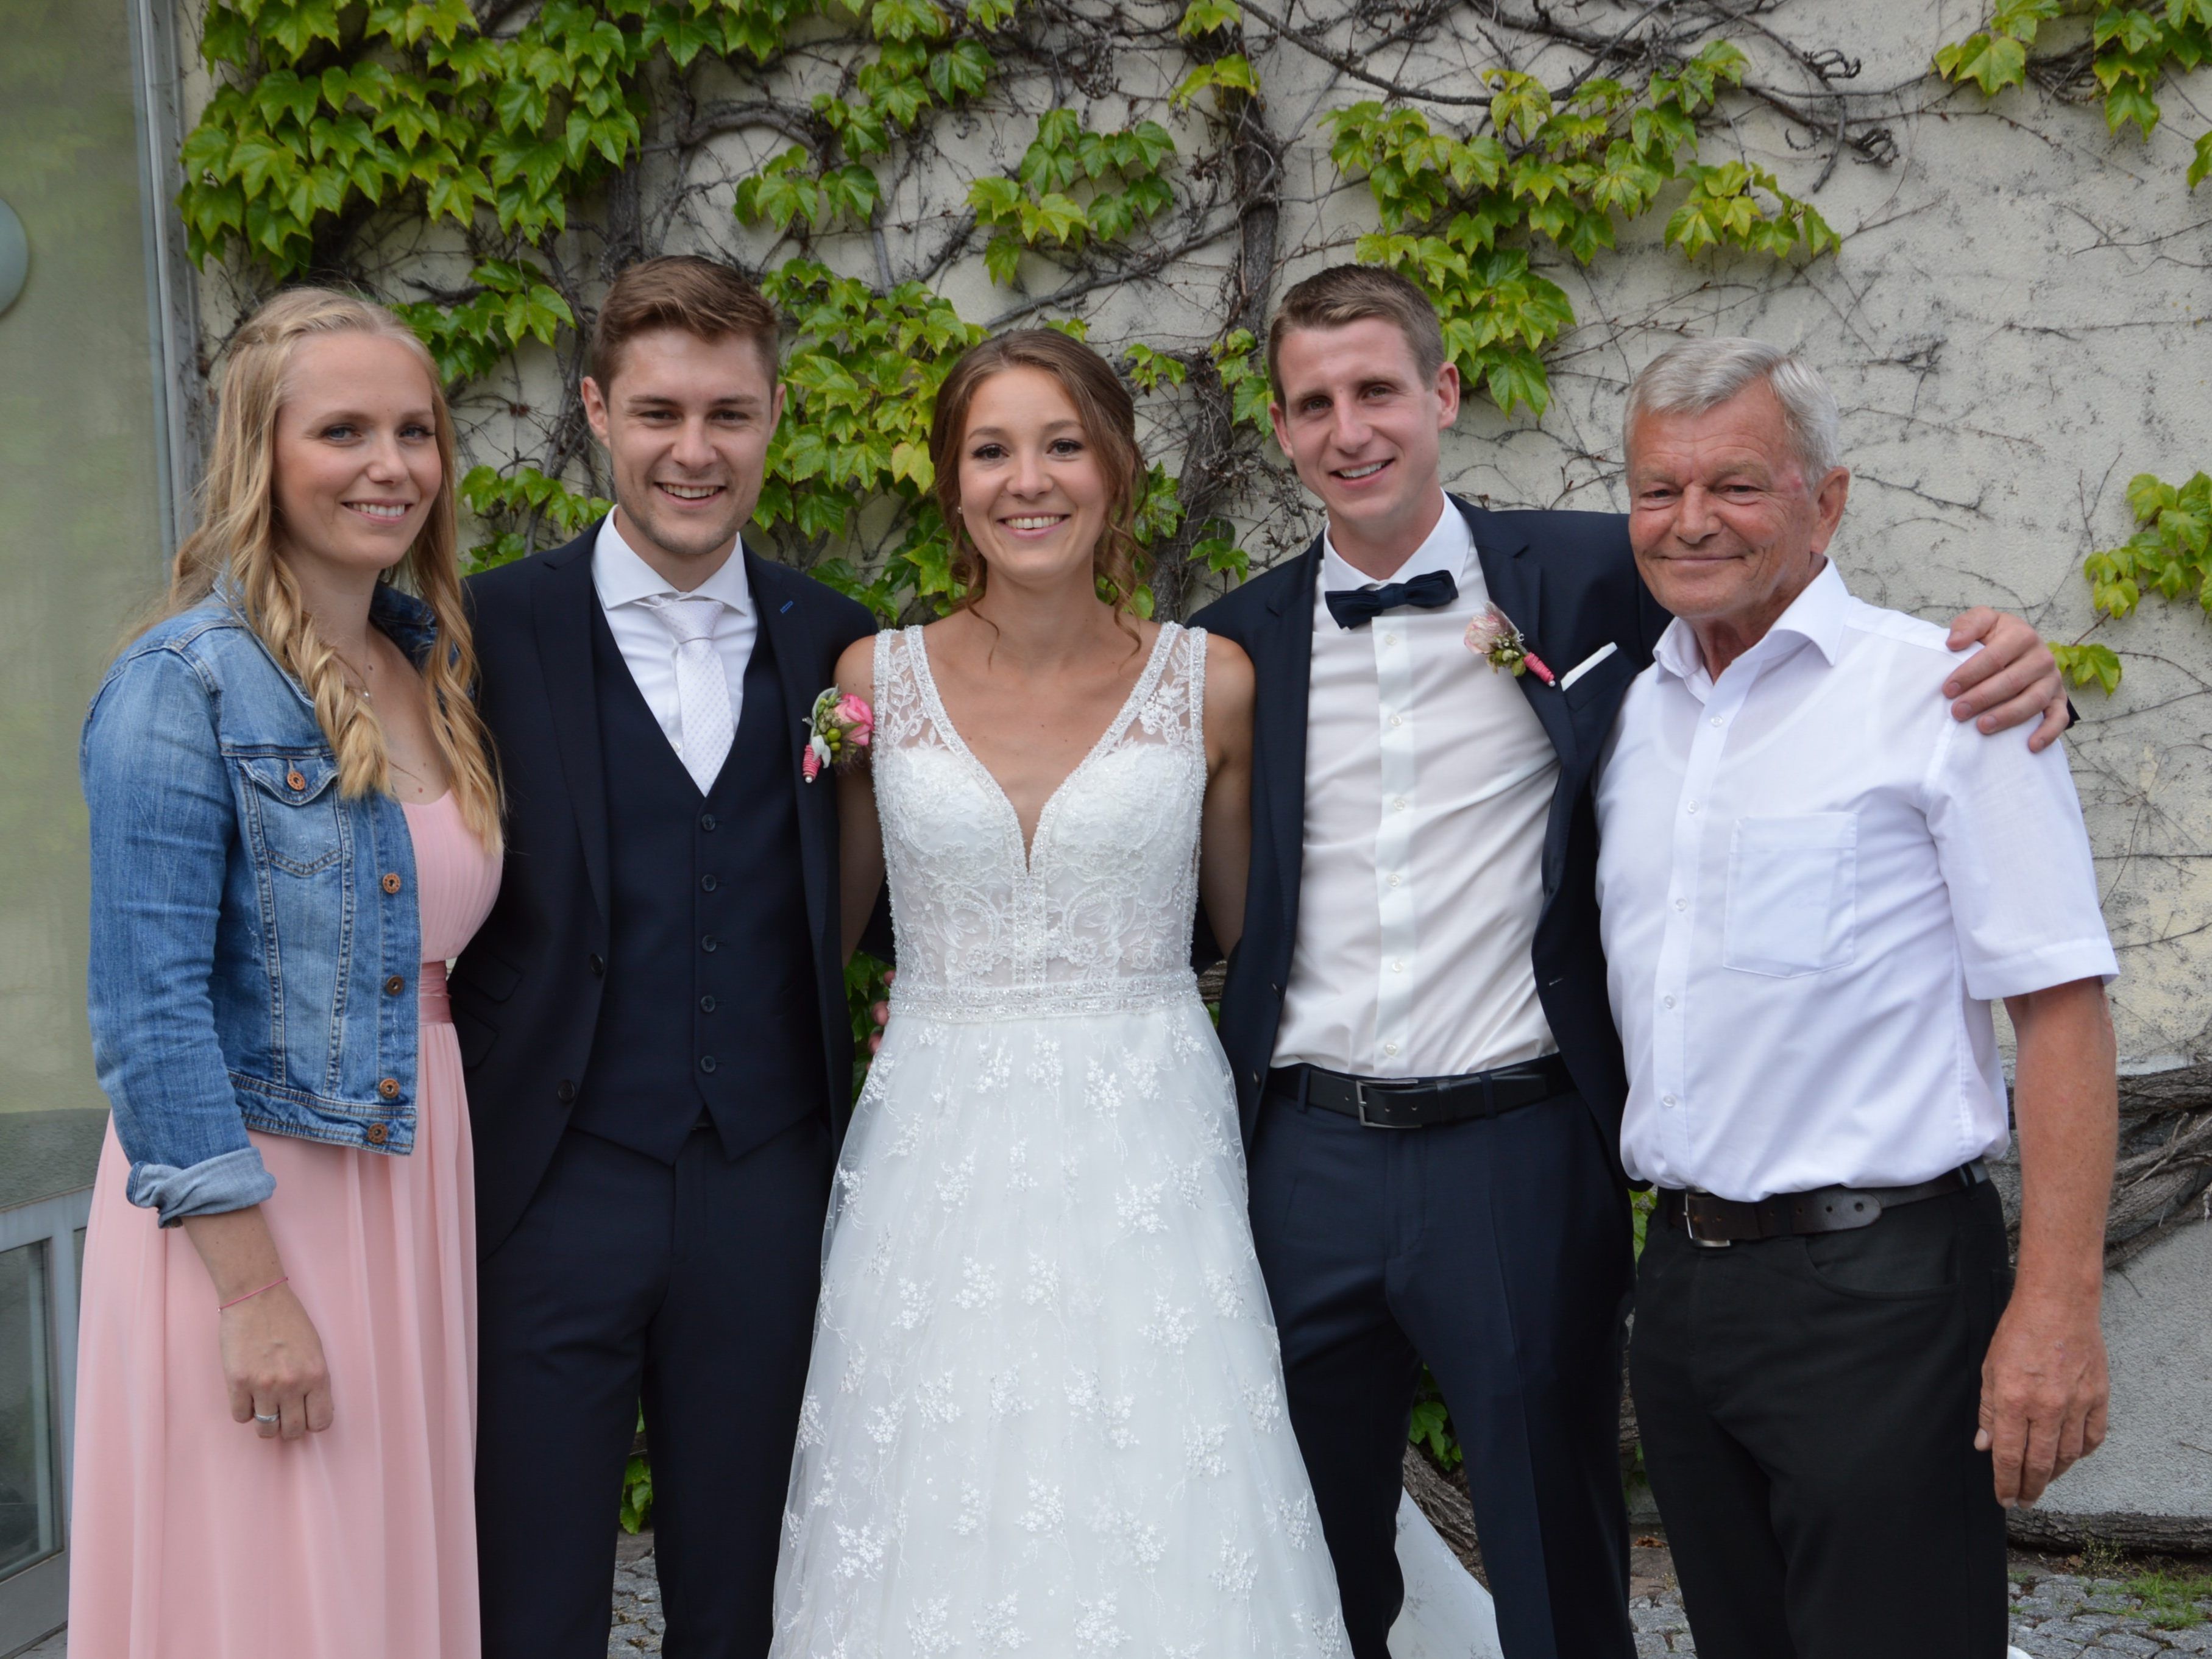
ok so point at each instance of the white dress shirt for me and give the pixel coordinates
(1428, 777)
(624, 581)
(1813, 880)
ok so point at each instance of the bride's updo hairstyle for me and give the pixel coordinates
(236, 548)
(1109, 416)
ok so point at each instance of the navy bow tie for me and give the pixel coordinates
(1356, 607)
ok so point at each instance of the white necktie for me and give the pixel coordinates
(703, 689)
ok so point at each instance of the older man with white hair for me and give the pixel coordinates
(1811, 892)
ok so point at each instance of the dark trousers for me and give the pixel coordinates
(1497, 1249)
(1808, 1408)
(692, 1288)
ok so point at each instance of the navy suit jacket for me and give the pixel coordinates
(1568, 581)
(525, 993)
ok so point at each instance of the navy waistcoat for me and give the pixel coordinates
(710, 1000)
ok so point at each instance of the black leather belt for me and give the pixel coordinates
(1416, 1103)
(1721, 1221)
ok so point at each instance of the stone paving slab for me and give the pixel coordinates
(2055, 1615)
(2062, 1615)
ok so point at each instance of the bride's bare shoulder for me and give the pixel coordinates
(856, 668)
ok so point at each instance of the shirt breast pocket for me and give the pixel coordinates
(1792, 894)
(294, 813)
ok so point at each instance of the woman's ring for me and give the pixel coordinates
(272, 1418)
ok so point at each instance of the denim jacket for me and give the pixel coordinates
(256, 945)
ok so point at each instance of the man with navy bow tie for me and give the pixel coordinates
(1430, 1079)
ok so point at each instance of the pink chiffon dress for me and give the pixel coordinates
(191, 1538)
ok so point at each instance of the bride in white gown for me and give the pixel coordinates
(1045, 1408)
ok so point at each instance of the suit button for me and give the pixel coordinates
(395, 985)
(377, 1134)
(706, 1062)
(389, 1088)
(705, 1005)
(564, 1091)
(707, 821)
(391, 883)
(598, 965)
(707, 883)
(1255, 1079)
(707, 942)
(295, 780)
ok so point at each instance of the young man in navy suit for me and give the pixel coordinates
(652, 1019)
(1429, 1075)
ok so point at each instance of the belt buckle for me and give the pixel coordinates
(1359, 1101)
(1689, 1223)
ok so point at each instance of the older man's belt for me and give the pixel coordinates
(1420, 1103)
(1719, 1221)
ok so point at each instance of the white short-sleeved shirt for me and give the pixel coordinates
(1813, 881)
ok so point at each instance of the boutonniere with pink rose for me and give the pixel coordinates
(1492, 636)
(837, 733)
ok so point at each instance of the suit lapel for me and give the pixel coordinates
(1282, 667)
(785, 624)
(562, 602)
(1517, 587)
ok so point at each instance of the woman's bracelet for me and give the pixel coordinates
(250, 1295)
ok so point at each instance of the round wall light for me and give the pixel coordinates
(14, 256)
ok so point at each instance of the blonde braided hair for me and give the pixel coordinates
(237, 543)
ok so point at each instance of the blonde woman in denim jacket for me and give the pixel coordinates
(294, 823)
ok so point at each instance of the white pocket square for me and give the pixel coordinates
(1587, 663)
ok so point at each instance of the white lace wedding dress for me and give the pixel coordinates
(1045, 1409)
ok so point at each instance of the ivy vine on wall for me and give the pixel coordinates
(537, 146)
(2127, 52)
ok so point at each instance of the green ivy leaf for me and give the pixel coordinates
(2128, 101)
(995, 198)
(2136, 30)
(281, 93)
(1204, 16)
(683, 35)
(2088, 664)
(961, 71)
(1148, 367)
(226, 36)
(1518, 377)
(1991, 62)
(2022, 18)
(907, 20)
(1229, 74)
(293, 25)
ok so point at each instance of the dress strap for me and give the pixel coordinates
(1194, 646)
(901, 709)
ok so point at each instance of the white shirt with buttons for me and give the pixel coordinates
(624, 581)
(1812, 881)
(1428, 777)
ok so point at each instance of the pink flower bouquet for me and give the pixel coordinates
(838, 732)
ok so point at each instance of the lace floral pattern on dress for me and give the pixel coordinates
(1044, 1414)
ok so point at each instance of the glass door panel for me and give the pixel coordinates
(30, 1497)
